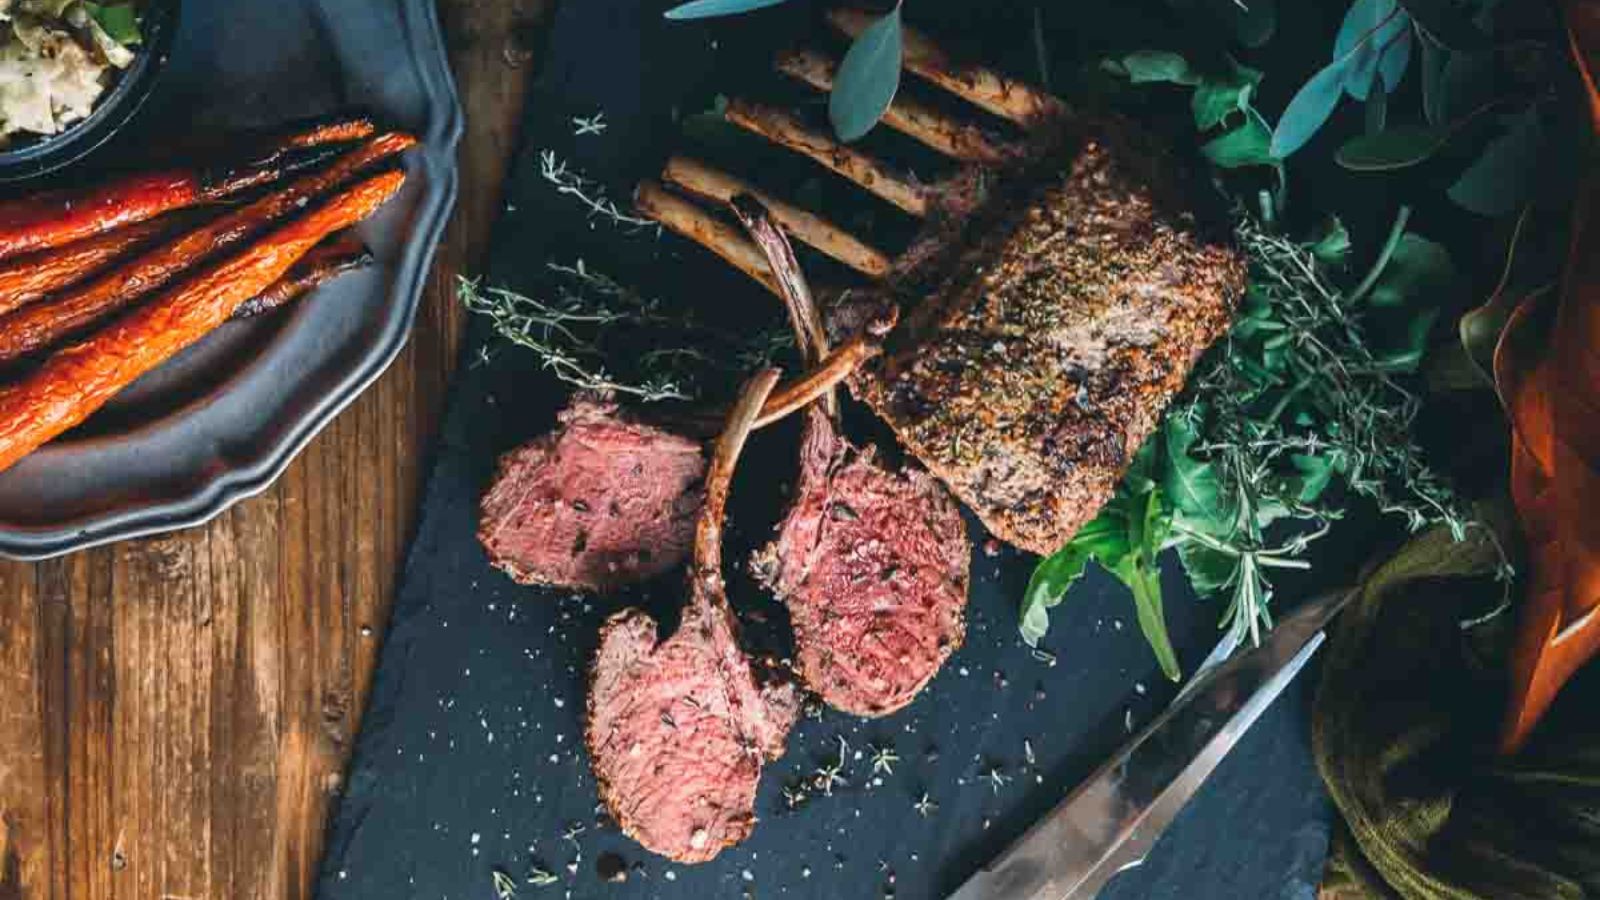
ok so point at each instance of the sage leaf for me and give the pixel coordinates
(1434, 59)
(1368, 30)
(706, 9)
(1499, 181)
(868, 78)
(1247, 145)
(1147, 66)
(1394, 61)
(1308, 110)
(1446, 23)
(1467, 83)
(1377, 111)
(1394, 148)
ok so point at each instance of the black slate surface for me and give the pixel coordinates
(470, 759)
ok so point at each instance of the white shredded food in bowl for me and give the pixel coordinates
(56, 62)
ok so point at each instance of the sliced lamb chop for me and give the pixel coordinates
(677, 730)
(871, 562)
(600, 502)
(606, 500)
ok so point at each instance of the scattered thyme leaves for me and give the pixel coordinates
(572, 183)
(883, 759)
(596, 334)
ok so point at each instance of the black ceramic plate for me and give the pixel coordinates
(221, 421)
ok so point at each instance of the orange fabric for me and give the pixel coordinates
(1547, 368)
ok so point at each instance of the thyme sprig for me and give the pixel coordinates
(585, 322)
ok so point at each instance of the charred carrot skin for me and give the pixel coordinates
(57, 218)
(34, 277)
(323, 264)
(75, 382)
(41, 325)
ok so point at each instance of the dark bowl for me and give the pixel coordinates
(115, 109)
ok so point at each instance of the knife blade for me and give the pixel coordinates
(1110, 821)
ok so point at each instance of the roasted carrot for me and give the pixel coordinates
(36, 276)
(75, 382)
(43, 324)
(56, 218)
(324, 263)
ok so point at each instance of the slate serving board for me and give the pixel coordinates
(470, 759)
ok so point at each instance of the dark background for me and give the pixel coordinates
(470, 758)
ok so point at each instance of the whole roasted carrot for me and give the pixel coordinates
(43, 324)
(324, 263)
(57, 218)
(36, 276)
(78, 380)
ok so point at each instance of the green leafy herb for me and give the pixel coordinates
(1394, 148)
(1125, 540)
(1369, 30)
(1146, 66)
(1309, 110)
(1304, 393)
(120, 22)
(705, 9)
(868, 78)
(1443, 22)
(1499, 181)
(1216, 99)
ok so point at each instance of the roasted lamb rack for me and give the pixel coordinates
(872, 562)
(1059, 292)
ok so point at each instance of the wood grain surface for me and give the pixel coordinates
(176, 713)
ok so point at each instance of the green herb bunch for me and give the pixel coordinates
(1311, 399)
(1307, 393)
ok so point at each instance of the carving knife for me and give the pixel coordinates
(1109, 822)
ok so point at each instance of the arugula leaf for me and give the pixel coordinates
(1159, 66)
(1138, 570)
(1217, 98)
(1331, 246)
(1189, 483)
(1105, 538)
(1250, 144)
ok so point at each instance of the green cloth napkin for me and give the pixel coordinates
(1405, 721)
